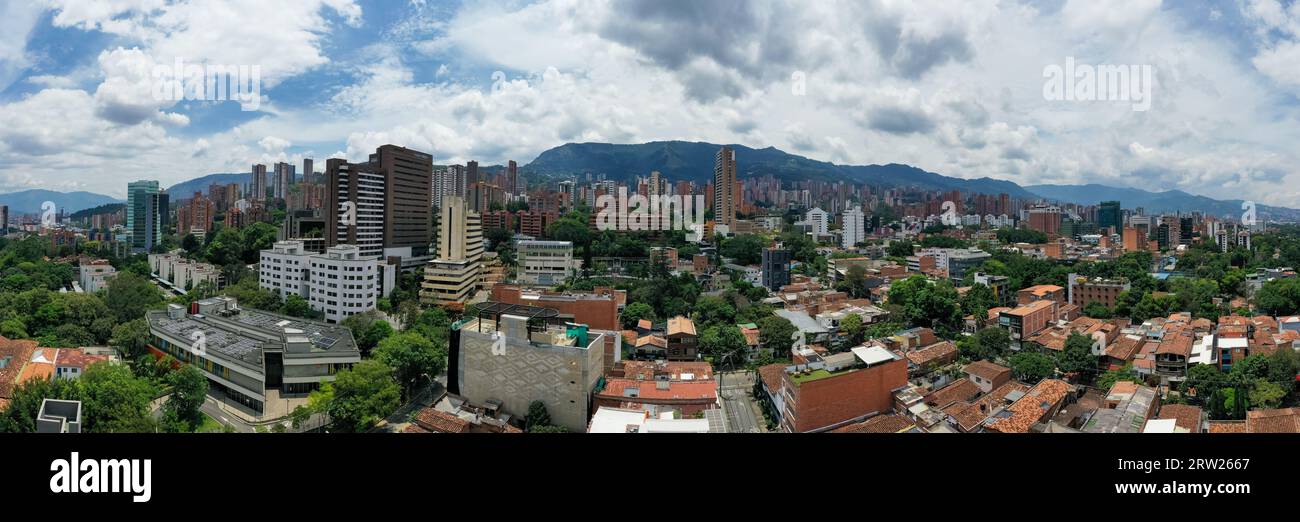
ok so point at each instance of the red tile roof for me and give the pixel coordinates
(438, 421)
(934, 352)
(1039, 401)
(1185, 416)
(674, 370)
(680, 390)
(771, 375)
(960, 390)
(18, 353)
(77, 358)
(986, 370)
(891, 423)
(1286, 420)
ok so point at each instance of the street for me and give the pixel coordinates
(740, 410)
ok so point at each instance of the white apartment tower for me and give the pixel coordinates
(854, 227)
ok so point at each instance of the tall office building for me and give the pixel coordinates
(452, 277)
(854, 231)
(391, 196)
(146, 214)
(4, 219)
(1110, 215)
(724, 188)
(195, 216)
(257, 189)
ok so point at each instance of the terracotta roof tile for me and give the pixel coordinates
(438, 421)
(1185, 416)
(891, 423)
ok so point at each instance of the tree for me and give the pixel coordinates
(189, 390)
(1097, 310)
(927, 304)
(1108, 379)
(411, 357)
(1203, 381)
(131, 338)
(1265, 394)
(26, 399)
(362, 395)
(723, 343)
(711, 310)
(537, 416)
(1031, 367)
(987, 344)
(746, 249)
(635, 312)
(129, 295)
(977, 301)
(1279, 296)
(1076, 356)
(115, 400)
(899, 249)
(776, 333)
(852, 328)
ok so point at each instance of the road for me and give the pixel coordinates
(738, 406)
(211, 409)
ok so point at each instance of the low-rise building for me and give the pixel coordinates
(513, 355)
(544, 263)
(251, 356)
(95, 275)
(835, 391)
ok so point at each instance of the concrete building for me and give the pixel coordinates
(512, 355)
(962, 260)
(338, 283)
(1001, 287)
(251, 356)
(59, 416)
(544, 263)
(95, 275)
(452, 278)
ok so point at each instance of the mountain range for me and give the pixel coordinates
(30, 201)
(694, 161)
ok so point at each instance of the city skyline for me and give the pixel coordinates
(876, 83)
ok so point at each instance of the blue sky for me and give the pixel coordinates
(955, 88)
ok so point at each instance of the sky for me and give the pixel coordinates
(956, 88)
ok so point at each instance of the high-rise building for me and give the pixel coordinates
(854, 229)
(448, 182)
(1045, 219)
(383, 205)
(147, 212)
(776, 268)
(257, 189)
(4, 219)
(195, 216)
(308, 170)
(1110, 215)
(471, 173)
(724, 188)
(283, 180)
(452, 277)
(512, 178)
